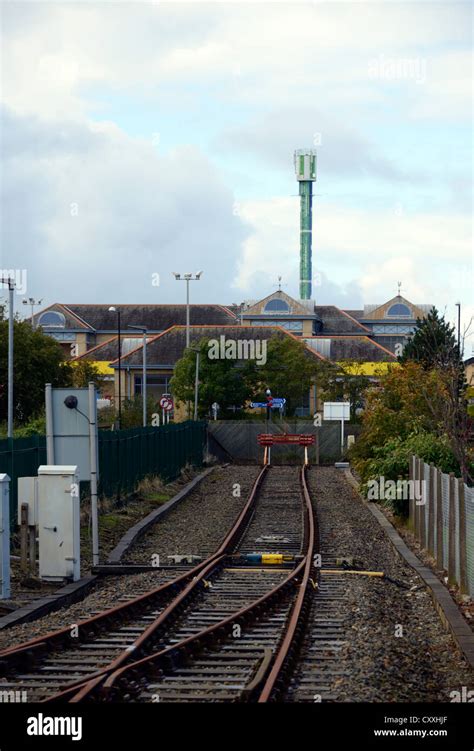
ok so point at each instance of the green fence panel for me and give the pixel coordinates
(21, 457)
(125, 456)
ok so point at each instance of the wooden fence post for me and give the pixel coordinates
(24, 538)
(452, 532)
(439, 519)
(462, 541)
(411, 494)
(32, 548)
(422, 505)
(431, 509)
(418, 498)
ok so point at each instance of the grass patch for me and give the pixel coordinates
(158, 498)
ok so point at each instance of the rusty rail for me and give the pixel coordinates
(54, 639)
(274, 667)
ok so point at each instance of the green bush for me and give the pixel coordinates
(391, 461)
(35, 426)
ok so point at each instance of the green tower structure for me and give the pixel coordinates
(305, 168)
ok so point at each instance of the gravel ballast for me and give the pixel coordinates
(395, 646)
(196, 525)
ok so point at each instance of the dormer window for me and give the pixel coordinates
(276, 306)
(399, 310)
(52, 319)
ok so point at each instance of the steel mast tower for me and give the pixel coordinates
(305, 168)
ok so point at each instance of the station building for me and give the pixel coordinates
(327, 332)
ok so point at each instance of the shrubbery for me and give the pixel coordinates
(391, 460)
(403, 416)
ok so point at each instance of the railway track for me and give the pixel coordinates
(222, 631)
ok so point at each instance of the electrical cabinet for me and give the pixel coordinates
(4, 536)
(59, 522)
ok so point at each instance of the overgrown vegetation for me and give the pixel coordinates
(419, 408)
(37, 359)
(287, 372)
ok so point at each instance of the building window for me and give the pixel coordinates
(399, 309)
(293, 326)
(321, 346)
(156, 385)
(277, 306)
(62, 336)
(52, 318)
(393, 328)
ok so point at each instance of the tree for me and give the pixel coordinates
(411, 400)
(346, 381)
(83, 372)
(225, 381)
(433, 344)
(397, 407)
(37, 359)
(289, 371)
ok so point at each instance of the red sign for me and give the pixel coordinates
(166, 403)
(300, 439)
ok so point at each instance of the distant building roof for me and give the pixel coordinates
(154, 317)
(164, 350)
(337, 321)
(396, 304)
(361, 348)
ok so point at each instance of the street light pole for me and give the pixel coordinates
(11, 288)
(196, 386)
(187, 278)
(32, 302)
(144, 330)
(113, 309)
(119, 371)
(187, 313)
(458, 305)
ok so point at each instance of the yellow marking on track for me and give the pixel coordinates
(257, 568)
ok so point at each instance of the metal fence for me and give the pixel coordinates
(442, 517)
(21, 457)
(238, 439)
(125, 456)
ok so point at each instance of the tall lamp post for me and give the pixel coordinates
(11, 288)
(196, 383)
(113, 309)
(187, 278)
(32, 302)
(144, 331)
(458, 305)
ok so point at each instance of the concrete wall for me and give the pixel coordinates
(237, 440)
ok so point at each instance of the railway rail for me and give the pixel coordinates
(224, 630)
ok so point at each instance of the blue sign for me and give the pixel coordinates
(277, 403)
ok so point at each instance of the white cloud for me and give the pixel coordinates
(301, 52)
(371, 251)
(92, 213)
(283, 72)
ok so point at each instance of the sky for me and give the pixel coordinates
(138, 139)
